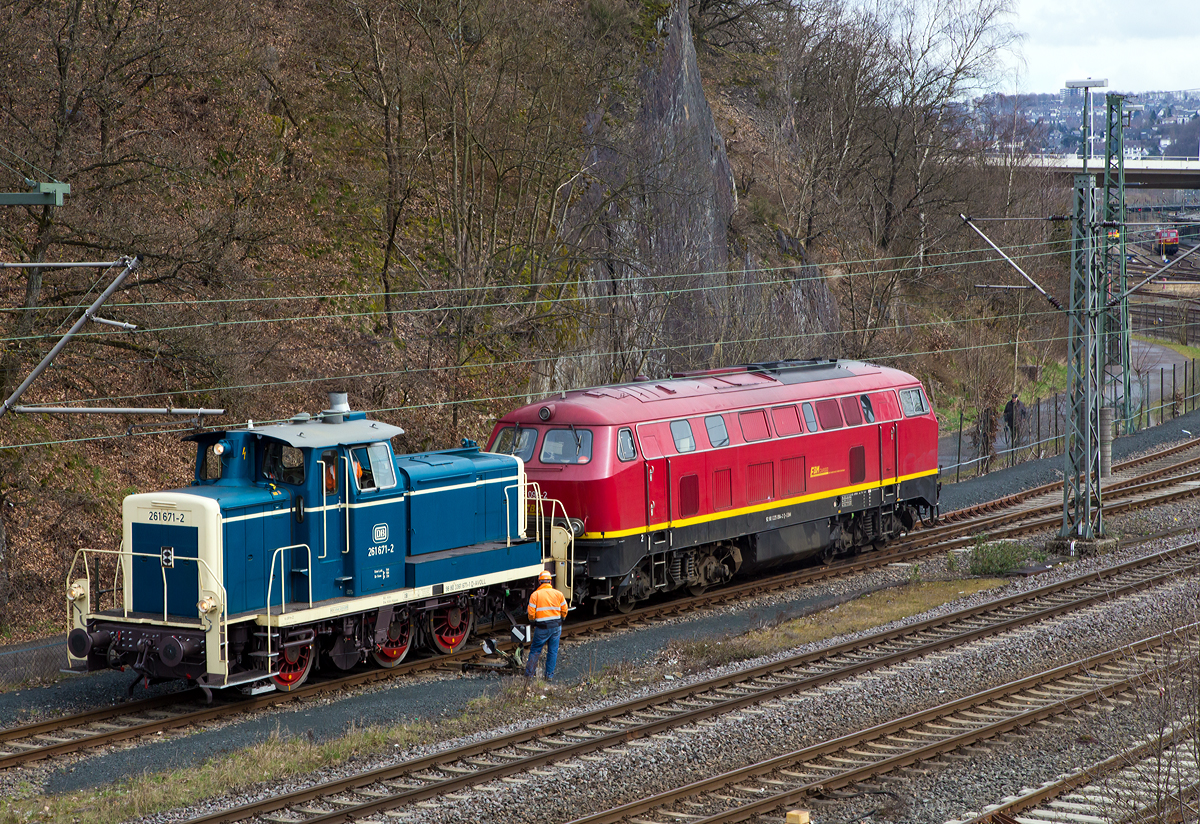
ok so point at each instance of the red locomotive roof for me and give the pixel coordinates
(713, 390)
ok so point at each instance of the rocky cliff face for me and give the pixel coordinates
(672, 290)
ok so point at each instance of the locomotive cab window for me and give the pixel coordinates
(867, 410)
(330, 459)
(210, 464)
(372, 467)
(718, 435)
(283, 463)
(567, 446)
(681, 431)
(517, 441)
(626, 451)
(913, 402)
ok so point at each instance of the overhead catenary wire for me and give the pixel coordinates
(377, 312)
(441, 404)
(638, 278)
(590, 355)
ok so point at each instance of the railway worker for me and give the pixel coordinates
(547, 609)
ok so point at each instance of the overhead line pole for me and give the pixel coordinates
(130, 263)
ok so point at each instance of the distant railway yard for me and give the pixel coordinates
(1041, 695)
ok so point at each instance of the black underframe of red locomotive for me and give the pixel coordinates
(634, 566)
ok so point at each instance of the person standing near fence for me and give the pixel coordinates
(1014, 419)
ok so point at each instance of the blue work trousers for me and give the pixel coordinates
(544, 635)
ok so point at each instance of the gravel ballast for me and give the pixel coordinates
(576, 788)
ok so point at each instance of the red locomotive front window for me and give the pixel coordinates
(626, 450)
(567, 446)
(521, 445)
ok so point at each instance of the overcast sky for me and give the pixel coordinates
(1138, 46)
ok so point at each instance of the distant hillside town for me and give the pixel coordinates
(1160, 124)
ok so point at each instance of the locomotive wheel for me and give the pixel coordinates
(697, 589)
(399, 641)
(295, 663)
(449, 627)
(624, 604)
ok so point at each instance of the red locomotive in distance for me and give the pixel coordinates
(1166, 241)
(685, 482)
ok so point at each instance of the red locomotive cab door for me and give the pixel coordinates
(658, 504)
(889, 450)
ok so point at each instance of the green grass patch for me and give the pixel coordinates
(280, 758)
(1188, 352)
(860, 614)
(1002, 557)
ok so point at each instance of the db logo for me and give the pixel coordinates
(380, 533)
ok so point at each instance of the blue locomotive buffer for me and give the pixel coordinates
(309, 543)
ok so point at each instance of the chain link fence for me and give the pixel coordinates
(32, 661)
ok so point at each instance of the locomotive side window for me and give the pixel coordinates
(810, 419)
(210, 467)
(330, 458)
(754, 425)
(522, 445)
(283, 463)
(626, 451)
(718, 435)
(852, 411)
(787, 422)
(372, 467)
(681, 431)
(829, 414)
(567, 446)
(913, 402)
(868, 412)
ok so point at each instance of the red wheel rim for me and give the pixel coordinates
(294, 666)
(393, 650)
(451, 626)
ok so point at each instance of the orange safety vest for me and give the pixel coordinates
(547, 604)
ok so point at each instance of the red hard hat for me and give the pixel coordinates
(545, 576)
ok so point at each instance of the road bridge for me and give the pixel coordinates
(1144, 172)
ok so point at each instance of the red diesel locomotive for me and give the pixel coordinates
(688, 481)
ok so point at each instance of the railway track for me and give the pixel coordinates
(1157, 780)
(443, 774)
(1138, 482)
(763, 788)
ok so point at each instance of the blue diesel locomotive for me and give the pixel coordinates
(307, 542)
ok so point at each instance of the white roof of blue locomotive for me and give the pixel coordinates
(331, 430)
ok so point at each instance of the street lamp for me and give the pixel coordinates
(1086, 85)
